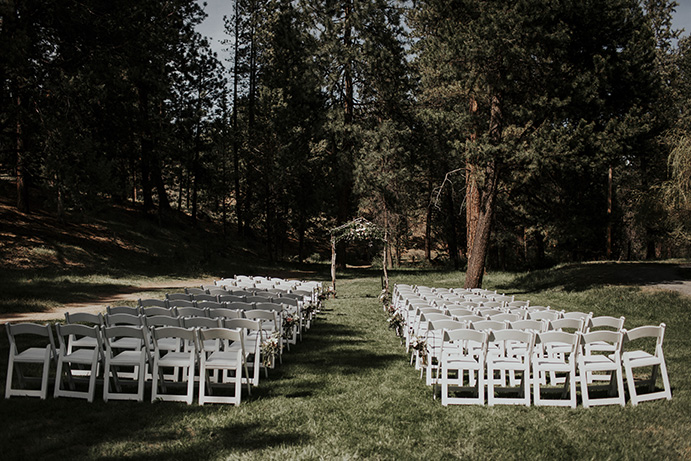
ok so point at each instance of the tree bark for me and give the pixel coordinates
(345, 186)
(478, 253)
(428, 225)
(451, 234)
(236, 129)
(472, 206)
(472, 194)
(22, 188)
(488, 194)
(609, 213)
(146, 148)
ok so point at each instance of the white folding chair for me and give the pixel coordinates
(157, 310)
(595, 362)
(150, 302)
(569, 325)
(184, 358)
(84, 318)
(463, 351)
(112, 310)
(565, 362)
(506, 317)
(225, 313)
(642, 358)
(76, 350)
(511, 351)
(544, 315)
(168, 344)
(126, 346)
(513, 304)
(602, 323)
(271, 323)
(23, 350)
(531, 326)
(178, 297)
(230, 359)
(419, 356)
(433, 343)
(191, 311)
(253, 337)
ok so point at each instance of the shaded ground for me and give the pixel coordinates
(126, 294)
(584, 276)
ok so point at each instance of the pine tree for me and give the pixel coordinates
(537, 72)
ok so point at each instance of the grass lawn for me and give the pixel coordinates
(347, 392)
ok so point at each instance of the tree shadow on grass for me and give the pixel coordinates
(581, 277)
(333, 348)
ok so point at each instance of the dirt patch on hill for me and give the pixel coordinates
(678, 280)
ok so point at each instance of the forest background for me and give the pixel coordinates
(497, 134)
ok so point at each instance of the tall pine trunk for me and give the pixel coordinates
(428, 223)
(346, 185)
(22, 188)
(451, 233)
(472, 194)
(483, 228)
(236, 129)
(146, 148)
(472, 206)
(488, 194)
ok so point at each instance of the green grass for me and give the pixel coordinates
(347, 392)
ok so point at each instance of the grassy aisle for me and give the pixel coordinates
(347, 392)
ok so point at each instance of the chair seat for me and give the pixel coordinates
(81, 356)
(31, 355)
(452, 362)
(83, 342)
(174, 359)
(169, 344)
(640, 358)
(551, 364)
(508, 363)
(126, 343)
(598, 362)
(222, 359)
(126, 358)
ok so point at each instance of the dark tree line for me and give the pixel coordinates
(504, 133)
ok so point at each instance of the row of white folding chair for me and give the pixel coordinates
(123, 346)
(269, 314)
(431, 331)
(459, 294)
(206, 308)
(254, 281)
(467, 350)
(304, 291)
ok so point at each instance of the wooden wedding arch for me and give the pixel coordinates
(357, 229)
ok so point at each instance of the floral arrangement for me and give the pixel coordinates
(396, 321)
(323, 293)
(309, 309)
(288, 326)
(358, 229)
(385, 297)
(269, 348)
(420, 346)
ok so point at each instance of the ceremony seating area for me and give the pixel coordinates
(479, 346)
(211, 341)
